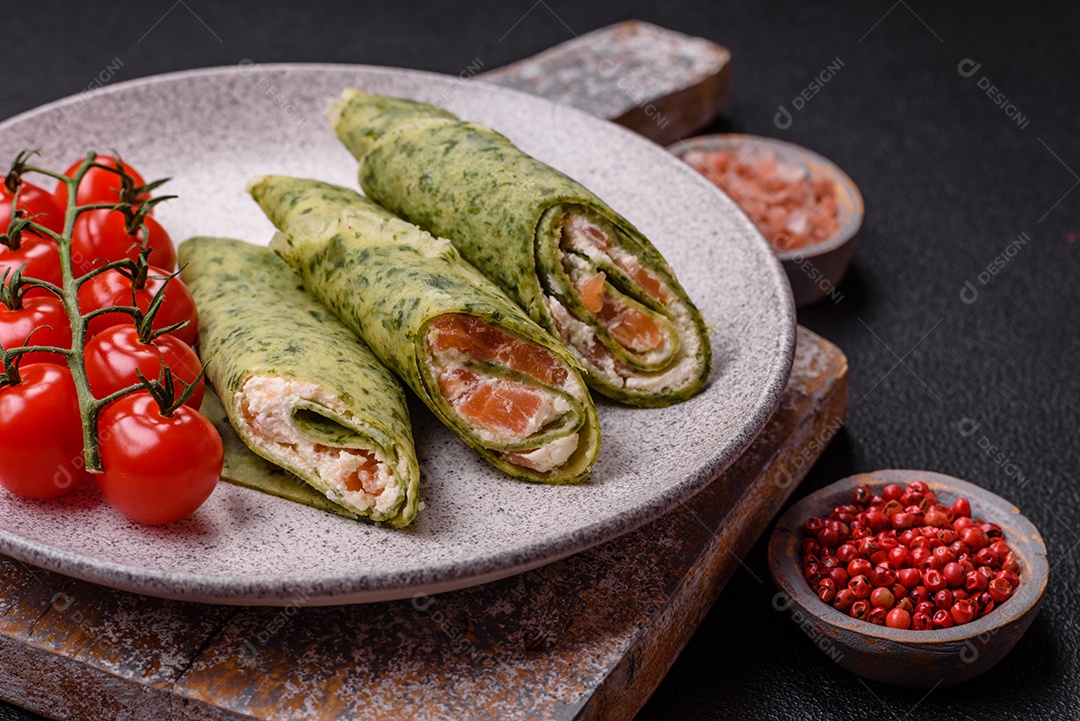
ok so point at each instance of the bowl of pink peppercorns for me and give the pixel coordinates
(909, 577)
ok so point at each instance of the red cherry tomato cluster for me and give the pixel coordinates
(100, 185)
(114, 355)
(159, 463)
(101, 235)
(112, 288)
(35, 254)
(41, 320)
(41, 440)
(901, 559)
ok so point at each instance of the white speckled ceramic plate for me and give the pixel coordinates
(212, 130)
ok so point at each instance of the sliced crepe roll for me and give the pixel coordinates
(299, 387)
(502, 383)
(580, 269)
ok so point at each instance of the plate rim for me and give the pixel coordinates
(452, 575)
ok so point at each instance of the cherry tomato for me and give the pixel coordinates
(112, 288)
(100, 237)
(36, 202)
(114, 354)
(46, 314)
(98, 185)
(156, 469)
(41, 443)
(39, 258)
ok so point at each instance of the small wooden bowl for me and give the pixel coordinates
(920, 659)
(816, 270)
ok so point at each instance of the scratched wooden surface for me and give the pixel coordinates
(660, 83)
(589, 637)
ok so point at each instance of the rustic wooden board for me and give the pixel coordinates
(589, 637)
(663, 84)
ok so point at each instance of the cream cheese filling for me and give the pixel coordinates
(267, 403)
(549, 456)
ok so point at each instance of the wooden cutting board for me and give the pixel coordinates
(589, 637)
(660, 83)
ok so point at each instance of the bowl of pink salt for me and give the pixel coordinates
(808, 209)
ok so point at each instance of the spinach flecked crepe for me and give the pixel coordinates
(580, 269)
(299, 388)
(506, 387)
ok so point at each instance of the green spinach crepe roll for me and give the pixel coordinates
(580, 269)
(504, 385)
(299, 387)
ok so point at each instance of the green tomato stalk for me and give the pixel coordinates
(135, 211)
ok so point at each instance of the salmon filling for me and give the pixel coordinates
(660, 345)
(632, 328)
(466, 353)
(476, 339)
(583, 244)
(269, 406)
(579, 233)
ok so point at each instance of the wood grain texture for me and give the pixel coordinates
(588, 637)
(660, 83)
(73, 650)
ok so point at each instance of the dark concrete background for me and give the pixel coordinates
(950, 181)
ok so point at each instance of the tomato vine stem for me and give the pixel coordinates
(89, 407)
(68, 292)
